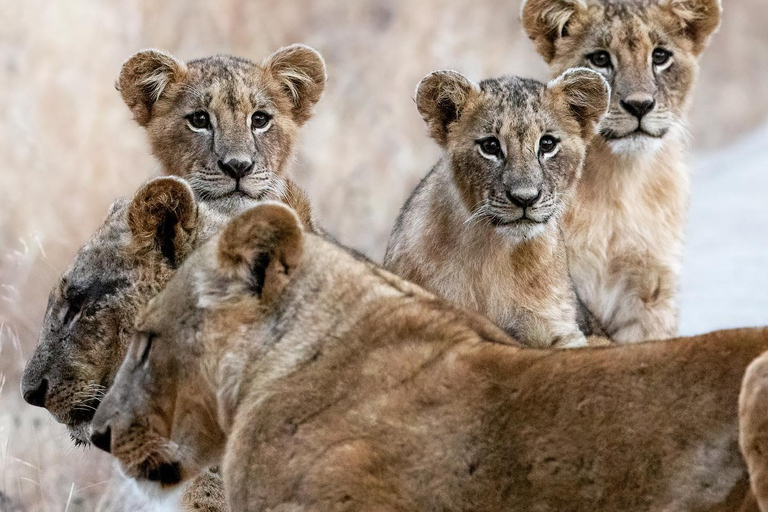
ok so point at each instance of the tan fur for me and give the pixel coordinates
(349, 388)
(453, 235)
(753, 427)
(163, 92)
(624, 235)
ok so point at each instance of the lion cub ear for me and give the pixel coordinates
(300, 71)
(263, 247)
(441, 98)
(584, 94)
(143, 79)
(163, 218)
(545, 21)
(698, 19)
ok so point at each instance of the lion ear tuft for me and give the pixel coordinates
(144, 78)
(586, 94)
(300, 71)
(545, 21)
(262, 247)
(698, 19)
(441, 98)
(163, 218)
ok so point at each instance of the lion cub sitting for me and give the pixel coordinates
(483, 228)
(328, 383)
(224, 123)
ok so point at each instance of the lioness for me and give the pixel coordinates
(483, 228)
(91, 311)
(226, 124)
(625, 237)
(327, 383)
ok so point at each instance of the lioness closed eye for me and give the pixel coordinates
(225, 123)
(328, 383)
(483, 228)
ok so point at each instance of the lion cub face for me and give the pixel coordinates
(91, 311)
(647, 50)
(160, 416)
(225, 123)
(515, 146)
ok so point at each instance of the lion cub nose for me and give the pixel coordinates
(34, 394)
(524, 197)
(638, 105)
(235, 168)
(102, 439)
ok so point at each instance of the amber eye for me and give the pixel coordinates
(660, 56)
(260, 119)
(199, 120)
(490, 146)
(600, 59)
(547, 144)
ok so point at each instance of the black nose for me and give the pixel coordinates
(102, 439)
(36, 395)
(524, 197)
(638, 108)
(235, 168)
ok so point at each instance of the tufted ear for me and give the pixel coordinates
(300, 71)
(143, 79)
(441, 98)
(547, 20)
(584, 94)
(698, 19)
(163, 218)
(263, 247)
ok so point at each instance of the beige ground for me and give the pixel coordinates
(68, 146)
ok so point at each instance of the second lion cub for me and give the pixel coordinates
(483, 228)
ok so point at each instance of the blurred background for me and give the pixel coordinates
(68, 148)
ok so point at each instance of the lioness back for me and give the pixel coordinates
(328, 383)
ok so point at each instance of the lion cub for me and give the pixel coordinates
(483, 228)
(224, 123)
(625, 239)
(328, 383)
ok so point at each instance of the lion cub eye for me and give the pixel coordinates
(547, 144)
(660, 57)
(199, 120)
(490, 147)
(600, 59)
(260, 119)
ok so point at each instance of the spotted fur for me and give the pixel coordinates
(624, 238)
(462, 235)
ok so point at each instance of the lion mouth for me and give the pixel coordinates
(610, 135)
(165, 473)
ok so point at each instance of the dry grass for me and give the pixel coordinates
(68, 146)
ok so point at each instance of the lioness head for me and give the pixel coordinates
(91, 311)
(647, 50)
(516, 146)
(160, 416)
(225, 123)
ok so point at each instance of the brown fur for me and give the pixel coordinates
(753, 426)
(91, 312)
(462, 236)
(348, 388)
(624, 237)
(163, 92)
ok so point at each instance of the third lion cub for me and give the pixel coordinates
(483, 228)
